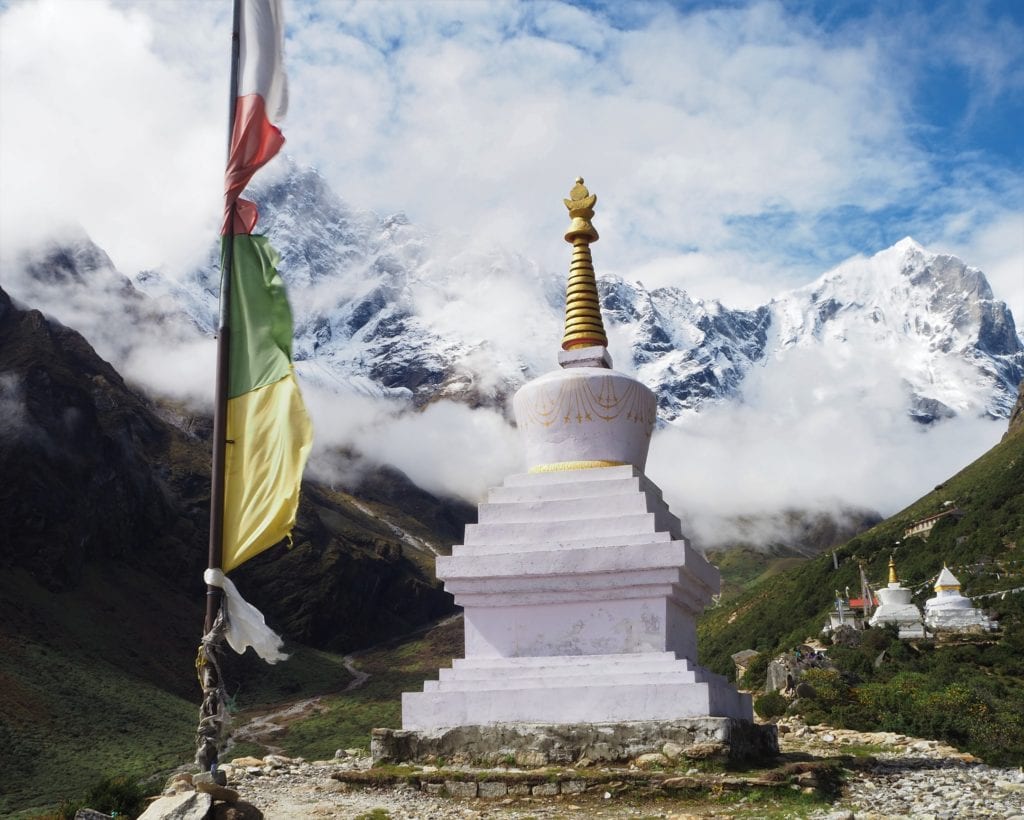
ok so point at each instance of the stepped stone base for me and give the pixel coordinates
(644, 686)
(540, 744)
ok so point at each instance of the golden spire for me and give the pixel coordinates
(583, 324)
(892, 571)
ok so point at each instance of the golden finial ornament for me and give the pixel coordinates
(583, 324)
(892, 571)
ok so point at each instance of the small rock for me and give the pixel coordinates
(91, 814)
(674, 783)
(519, 789)
(276, 761)
(1007, 786)
(246, 762)
(651, 760)
(672, 750)
(828, 737)
(703, 751)
(574, 786)
(433, 788)
(236, 811)
(544, 790)
(181, 782)
(205, 783)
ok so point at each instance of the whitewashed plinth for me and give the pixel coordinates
(580, 598)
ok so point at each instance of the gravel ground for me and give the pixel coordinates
(912, 778)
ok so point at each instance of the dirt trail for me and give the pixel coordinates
(264, 728)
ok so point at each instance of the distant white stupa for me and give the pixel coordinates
(949, 611)
(897, 608)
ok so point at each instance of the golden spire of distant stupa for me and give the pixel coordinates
(892, 571)
(583, 324)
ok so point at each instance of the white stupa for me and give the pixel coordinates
(579, 590)
(895, 607)
(949, 611)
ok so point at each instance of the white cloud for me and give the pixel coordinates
(446, 448)
(98, 131)
(809, 437)
(474, 118)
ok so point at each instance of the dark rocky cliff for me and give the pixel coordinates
(95, 474)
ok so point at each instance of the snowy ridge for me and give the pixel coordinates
(934, 317)
(384, 309)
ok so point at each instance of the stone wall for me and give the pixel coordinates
(543, 744)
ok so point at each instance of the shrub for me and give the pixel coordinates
(116, 794)
(770, 705)
(757, 673)
(829, 687)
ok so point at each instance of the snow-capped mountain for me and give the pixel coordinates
(935, 318)
(382, 308)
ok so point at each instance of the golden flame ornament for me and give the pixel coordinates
(583, 324)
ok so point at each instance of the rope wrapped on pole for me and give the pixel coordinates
(214, 719)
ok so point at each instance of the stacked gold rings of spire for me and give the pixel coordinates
(583, 324)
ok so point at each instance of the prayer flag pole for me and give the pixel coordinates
(258, 409)
(213, 593)
(212, 714)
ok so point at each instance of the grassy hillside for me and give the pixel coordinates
(984, 549)
(986, 542)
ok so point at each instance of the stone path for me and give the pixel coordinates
(912, 778)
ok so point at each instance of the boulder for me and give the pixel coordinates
(188, 806)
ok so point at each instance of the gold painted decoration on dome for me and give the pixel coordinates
(565, 466)
(585, 401)
(892, 571)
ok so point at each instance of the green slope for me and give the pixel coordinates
(984, 549)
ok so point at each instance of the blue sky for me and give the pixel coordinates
(737, 148)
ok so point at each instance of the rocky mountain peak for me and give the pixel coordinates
(383, 308)
(73, 259)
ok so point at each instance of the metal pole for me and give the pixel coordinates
(220, 408)
(212, 710)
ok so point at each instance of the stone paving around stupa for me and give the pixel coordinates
(908, 778)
